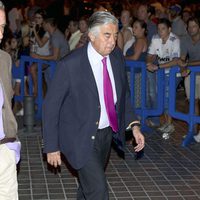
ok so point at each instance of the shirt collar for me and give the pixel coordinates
(94, 55)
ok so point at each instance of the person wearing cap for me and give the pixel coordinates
(186, 14)
(9, 146)
(178, 26)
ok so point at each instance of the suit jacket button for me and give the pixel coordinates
(97, 123)
(93, 137)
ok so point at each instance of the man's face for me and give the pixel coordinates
(142, 13)
(104, 42)
(2, 23)
(125, 17)
(193, 28)
(13, 43)
(173, 14)
(72, 28)
(163, 31)
(137, 29)
(83, 26)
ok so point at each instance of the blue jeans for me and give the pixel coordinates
(151, 94)
(48, 74)
(151, 89)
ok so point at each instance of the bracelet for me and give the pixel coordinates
(135, 124)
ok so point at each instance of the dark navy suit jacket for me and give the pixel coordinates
(71, 110)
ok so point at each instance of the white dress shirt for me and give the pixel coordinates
(97, 68)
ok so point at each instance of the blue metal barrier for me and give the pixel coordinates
(190, 118)
(144, 112)
(24, 60)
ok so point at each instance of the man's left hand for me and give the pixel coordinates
(139, 138)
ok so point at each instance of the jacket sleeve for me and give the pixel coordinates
(130, 116)
(57, 92)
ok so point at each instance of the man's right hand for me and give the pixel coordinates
(54, 158)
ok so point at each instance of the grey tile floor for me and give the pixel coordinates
(167, 171)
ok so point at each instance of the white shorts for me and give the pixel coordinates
(8, 174)
(197, 87)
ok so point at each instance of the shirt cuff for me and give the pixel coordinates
(132, 124)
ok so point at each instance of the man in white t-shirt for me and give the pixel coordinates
(165, 49)
(165, 52)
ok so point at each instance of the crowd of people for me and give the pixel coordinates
(162, 35)
(154, 33)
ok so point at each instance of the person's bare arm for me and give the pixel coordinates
(41, 41)
(54, 56)
(138, 48)
(120, 41)
(149, 61)
(127, 35)
(170, 63)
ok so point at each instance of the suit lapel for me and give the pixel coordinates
(89, 76)
(116, 74)
(87, 72)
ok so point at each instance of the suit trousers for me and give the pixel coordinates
(92, 179)
(8, 174)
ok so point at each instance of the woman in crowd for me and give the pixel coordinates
(126, 30)
(138, 52)
(39, 40)
(20, 47)
(83, 27)
(139, 48)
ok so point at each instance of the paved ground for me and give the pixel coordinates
(167, 170)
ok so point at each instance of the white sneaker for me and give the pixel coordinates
(197, 137)
(169, 129)
(20, 112)
(163, 127)
(166, 136)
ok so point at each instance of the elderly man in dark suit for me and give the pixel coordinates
(88, 102)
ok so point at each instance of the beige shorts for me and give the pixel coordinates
(8, 174)
(197, 87)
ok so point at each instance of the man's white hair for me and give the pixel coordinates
(100, 18)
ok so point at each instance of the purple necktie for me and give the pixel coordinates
(108, 97)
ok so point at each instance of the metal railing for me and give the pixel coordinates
(134, 67)
(191, 118)
(144, 112)
(19, 72)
